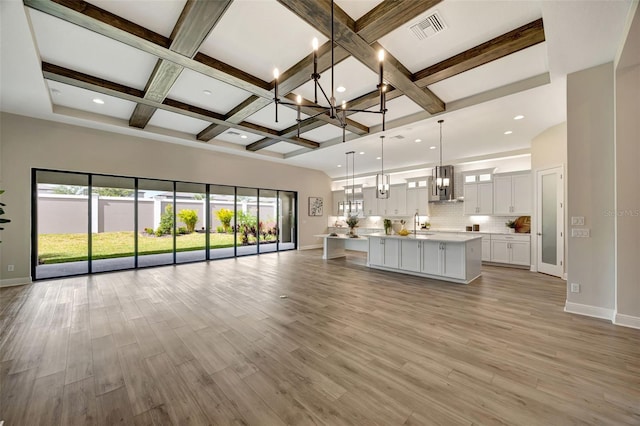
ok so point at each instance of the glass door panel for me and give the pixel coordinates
(191, 209)
(155, 222)
(112, 223)
(62, 224)
(268, 224)
(223, 221)
(247, 221)
(287, 221)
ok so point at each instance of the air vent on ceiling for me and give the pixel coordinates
(430, 26)
(397, 137)
(231, 132)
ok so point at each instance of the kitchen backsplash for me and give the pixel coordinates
(451, 216)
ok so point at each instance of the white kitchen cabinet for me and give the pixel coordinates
(384, 252)
(370, 202)
(511, 249)
(513, 194)
(486, 248)
(431, 257)
(478, 198)
(441, 258)
(410, 255)
(396, 204)
(418, 201)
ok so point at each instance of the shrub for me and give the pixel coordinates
(149, 231)
(220, 229)
(183, 231)
(166, 222)
(225, 216)
(189, 218)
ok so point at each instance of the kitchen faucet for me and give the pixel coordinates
(416, 220)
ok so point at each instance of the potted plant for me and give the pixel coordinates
(387, 226)
(511, 224)
(426, 225)
(352, 223)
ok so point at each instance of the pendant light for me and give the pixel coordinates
(382, 181)
(349, 205)
(440, 173)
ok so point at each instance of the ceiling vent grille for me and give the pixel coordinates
(397, 137)
(231, 132)
(431, 26)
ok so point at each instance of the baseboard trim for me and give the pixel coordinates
(588, 310)
(627, 320)
(11, 282)
(310, 247)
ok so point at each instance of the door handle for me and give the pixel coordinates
(540, 234)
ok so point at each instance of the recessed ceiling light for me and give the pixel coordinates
(418, 140)
(55, 91)
(518, 117)
(339, 165)
(377, 158)
(340, 89)
(361, 152)
(432, 147)
(243, 136)
(508, 132)
(98, 101)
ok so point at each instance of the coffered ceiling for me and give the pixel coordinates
(200, 73)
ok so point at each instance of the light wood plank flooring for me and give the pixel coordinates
(214, 343)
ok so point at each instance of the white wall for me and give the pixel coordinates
(627, 152)
(590, 183)
(27, 143)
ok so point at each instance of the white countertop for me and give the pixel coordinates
(422, 231)
(342, 236)
(433, 237)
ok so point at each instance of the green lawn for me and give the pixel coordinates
(59, 248)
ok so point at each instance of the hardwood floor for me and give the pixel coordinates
(215, 343)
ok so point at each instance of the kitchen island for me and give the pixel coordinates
(335, 246)
(454, 258)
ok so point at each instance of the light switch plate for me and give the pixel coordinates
(580, 232)
(577, 220)
(575, 288)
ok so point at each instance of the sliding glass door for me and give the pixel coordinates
(268, 225)
(85, 223)
(113, 223)
(222, 236)
(191, 222)
(247, 221)
(62, 224)
(287, 237)
(156, 220)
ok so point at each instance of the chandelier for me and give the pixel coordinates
(382, 181)
(333, 111)
(441, 175)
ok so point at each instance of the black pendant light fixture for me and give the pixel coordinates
(440, 174)
(333, 110)
(383, 182)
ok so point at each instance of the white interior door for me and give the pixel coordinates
(550, 221)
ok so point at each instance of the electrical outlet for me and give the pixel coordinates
(10, 268)
(575, 288)
(577, 221)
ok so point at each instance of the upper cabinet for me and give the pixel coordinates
(478, 193)
(396, 204)
(418, 196)
(370, 201)
(513, 194)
